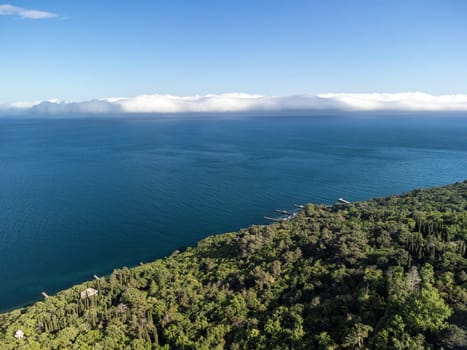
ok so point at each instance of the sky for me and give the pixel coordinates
(84, 50)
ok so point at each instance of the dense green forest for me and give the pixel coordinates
(387, 273)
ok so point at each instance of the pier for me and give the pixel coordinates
(285, 212)
(287, 215)
(275, 219)
(343, 201)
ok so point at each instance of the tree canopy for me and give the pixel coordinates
(387, 273)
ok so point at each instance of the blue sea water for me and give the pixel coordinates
(83, 196)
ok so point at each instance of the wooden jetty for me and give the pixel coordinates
(343, 201)
(284, 218)
(275, 219)
(285, 212)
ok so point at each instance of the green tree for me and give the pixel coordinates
(356, 336)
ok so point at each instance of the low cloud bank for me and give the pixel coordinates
(247, 103)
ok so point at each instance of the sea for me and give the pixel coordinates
(83, 196)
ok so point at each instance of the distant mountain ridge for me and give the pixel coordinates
(387, 273)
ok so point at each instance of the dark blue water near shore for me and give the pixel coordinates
(83, 196)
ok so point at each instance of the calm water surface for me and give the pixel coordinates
(83, 196)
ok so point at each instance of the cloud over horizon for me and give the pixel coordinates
(11, 10)
(247, 103)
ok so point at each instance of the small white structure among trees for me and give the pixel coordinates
(88, 292)
(19, 334)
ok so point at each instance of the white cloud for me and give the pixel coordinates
(218, 103)
(242, 102)
(405, 101)
(10, 10)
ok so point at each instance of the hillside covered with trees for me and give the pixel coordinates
(387, 273)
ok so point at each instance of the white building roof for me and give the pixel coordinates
(88, 292)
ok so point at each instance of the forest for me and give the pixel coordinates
(386, 273)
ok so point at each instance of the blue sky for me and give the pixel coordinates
(95, 49)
